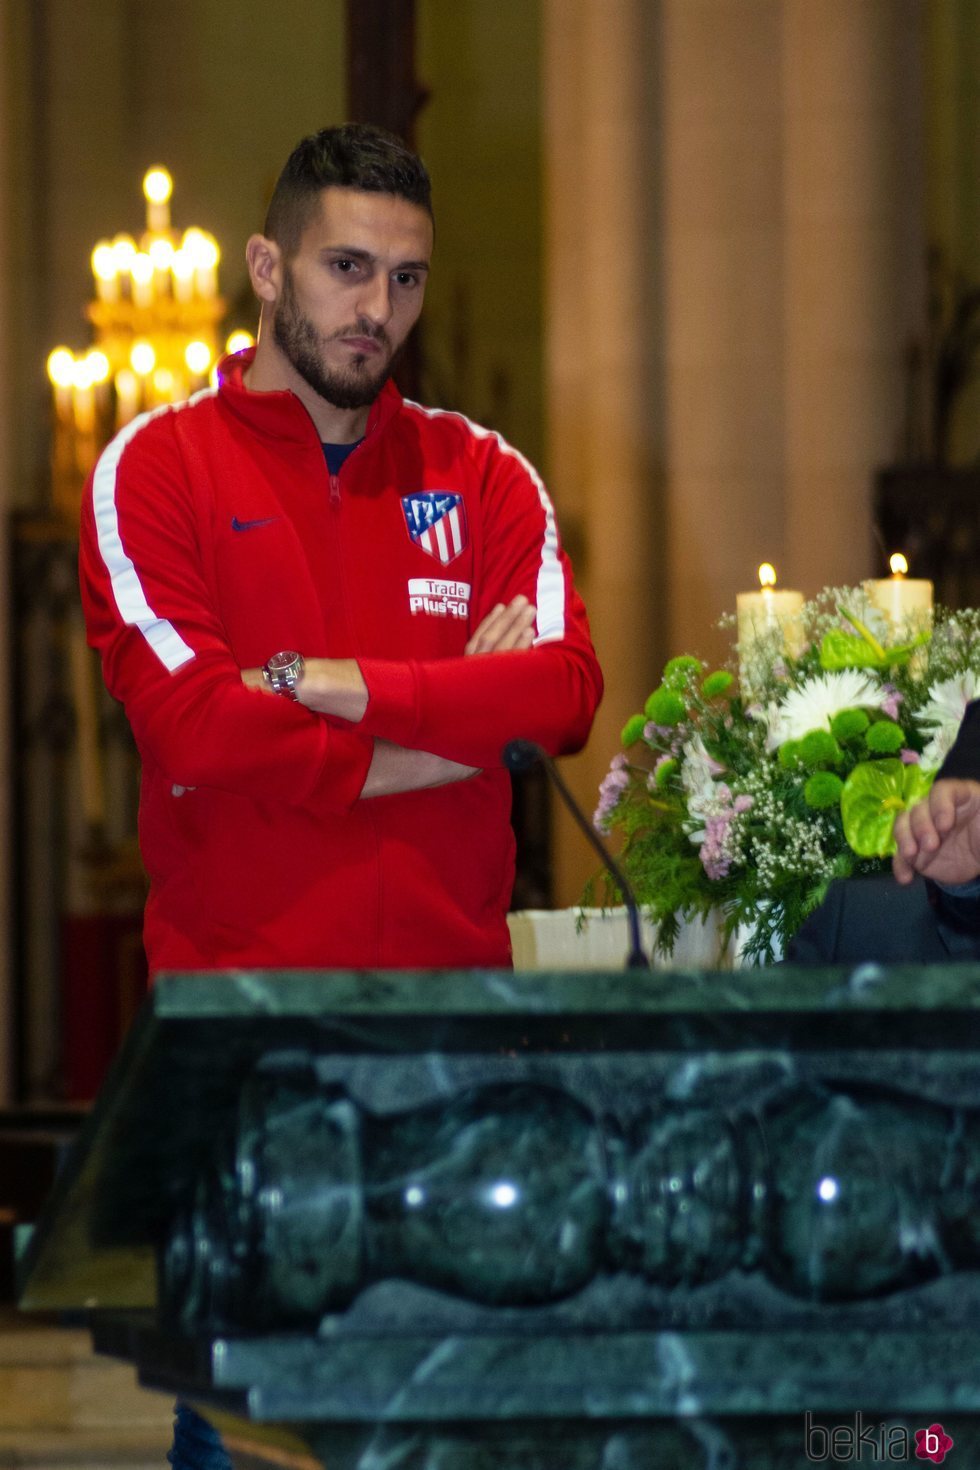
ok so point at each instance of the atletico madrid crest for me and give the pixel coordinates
(436, 521)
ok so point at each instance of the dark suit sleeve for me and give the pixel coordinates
(963, 761)
(816, 941)
(960, 912)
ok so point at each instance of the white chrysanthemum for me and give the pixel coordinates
(944, 714)
(814, 704)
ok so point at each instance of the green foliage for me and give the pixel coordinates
(665, 771)
(632, 731)
(885, 738)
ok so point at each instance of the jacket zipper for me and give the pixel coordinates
(335, 491)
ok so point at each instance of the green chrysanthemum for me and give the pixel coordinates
(885, 738)
(823, 790)
(665, 770)
(664, 707)
(633, 729)
(717, 683)
(789, 755)
(678, 669)
(849, 724)
(818, 747)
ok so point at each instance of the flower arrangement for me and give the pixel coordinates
(748, 793)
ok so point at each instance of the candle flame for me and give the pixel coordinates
(157, 185)
(898, 564)
(767, 575)
(61, 367)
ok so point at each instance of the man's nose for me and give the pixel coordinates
(375, 300)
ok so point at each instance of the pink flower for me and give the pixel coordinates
(715, 857)
(893, 698)
(611, 788)
(909, 757)
(744, 803)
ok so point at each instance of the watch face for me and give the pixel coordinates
(282, 663)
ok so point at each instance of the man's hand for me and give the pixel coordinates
(940, 836)
(506, 627)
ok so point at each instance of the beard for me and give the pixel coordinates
(355, 386)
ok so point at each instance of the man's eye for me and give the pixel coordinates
(345, 266)
(406, 278)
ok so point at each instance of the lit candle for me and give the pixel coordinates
(770, 608)
(182, 268)
(197, 356)
(202, 249)
(127, 396)
(157, 189)
(142, 271)
(83, 397)
(61, 371)
(105, 271)
(123, 254)
(906, 601)
(161, 252)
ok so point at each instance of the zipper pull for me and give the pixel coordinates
(335, 491)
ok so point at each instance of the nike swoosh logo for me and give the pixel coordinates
(237, 525)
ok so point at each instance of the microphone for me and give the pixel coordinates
(521, 755)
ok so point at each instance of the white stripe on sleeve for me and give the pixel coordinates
(127, 589)
(550, 593)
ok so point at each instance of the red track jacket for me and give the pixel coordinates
(212, 537)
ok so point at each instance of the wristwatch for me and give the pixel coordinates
(283, 673)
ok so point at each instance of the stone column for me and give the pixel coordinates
(6, 471)
(722, 166)
(853, 250)
(604, 343)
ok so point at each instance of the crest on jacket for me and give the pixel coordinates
(436, 521)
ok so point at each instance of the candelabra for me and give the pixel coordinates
(156, 313)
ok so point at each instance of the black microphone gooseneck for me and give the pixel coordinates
(521, 755)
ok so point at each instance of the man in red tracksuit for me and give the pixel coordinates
(326, 610)
(406, 559)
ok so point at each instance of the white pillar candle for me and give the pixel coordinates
(905, 601)
(770, 608)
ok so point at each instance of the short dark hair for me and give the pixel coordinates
(354, 156)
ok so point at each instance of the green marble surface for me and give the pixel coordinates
(712, 1331)
(399, 1040)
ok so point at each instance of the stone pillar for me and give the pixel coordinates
(854, 249)
(604, 344)
(722, 167)
(6, 471)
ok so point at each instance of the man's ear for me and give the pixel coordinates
(264, 260)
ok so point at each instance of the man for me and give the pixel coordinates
(940, 837)
(395, 571)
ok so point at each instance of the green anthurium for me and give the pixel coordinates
(861, 649)
(874, 793)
